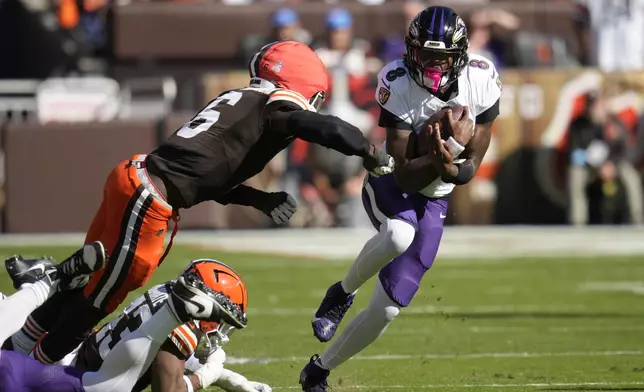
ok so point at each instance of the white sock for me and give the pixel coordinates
(132, 356)
(363, 330)
(15, 309)
(392, 240)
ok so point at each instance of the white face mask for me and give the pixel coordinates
(212, 341)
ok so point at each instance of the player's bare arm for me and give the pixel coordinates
(411, 174)
(168, 369)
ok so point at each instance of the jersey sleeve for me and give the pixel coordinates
(185, 339)
(392, 96)
(487, 91)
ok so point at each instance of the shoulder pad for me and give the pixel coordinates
(392, 92)
(485, 81)
(291, 97)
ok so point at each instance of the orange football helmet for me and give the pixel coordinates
(222, 279)
(294, 66)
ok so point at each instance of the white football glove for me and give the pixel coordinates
(212, 370)
(234, 382)
(260, 387)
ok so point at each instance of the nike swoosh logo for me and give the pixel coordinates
(443, 216)
(199, 306)
(388, 86)
(36, 267)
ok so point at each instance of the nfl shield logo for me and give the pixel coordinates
(278, 66)
(383, 95)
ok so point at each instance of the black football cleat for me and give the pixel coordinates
(29, 271)
(313, 377)
(74, 272)
(329, 315)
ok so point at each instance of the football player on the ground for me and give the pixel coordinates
(187, 299)
(177, 353)
(209, 158)
(409, 206)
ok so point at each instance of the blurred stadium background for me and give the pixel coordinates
(85, 83)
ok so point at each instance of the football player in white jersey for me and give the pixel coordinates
(147, 344)
(408, 207)
(178, 352)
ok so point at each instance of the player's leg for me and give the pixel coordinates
(395, 217)
(134, 233)
(398, 283)
(40, 283)
(19, 373)
(15, 309)
(46, 316)
(40, 321)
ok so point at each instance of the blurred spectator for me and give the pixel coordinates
(610, 33)
(83, 27)
(285, 23)
(488, 32)
(600, 174)
(341, 48)
(393, 47)
(333, 181)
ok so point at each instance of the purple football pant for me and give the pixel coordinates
(382, 199)
(19, 373)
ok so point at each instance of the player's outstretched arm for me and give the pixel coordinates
(331, 132)
(279, 206)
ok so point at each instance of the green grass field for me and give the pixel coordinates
(482, 325)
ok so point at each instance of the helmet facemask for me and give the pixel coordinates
(215, 335)
(435, 69)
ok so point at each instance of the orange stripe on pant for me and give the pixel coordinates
(132, 223)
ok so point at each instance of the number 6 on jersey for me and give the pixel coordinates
(208, 115)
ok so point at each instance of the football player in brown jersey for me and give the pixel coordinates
(209, 158)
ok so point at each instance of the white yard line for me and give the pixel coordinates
(633, 287)
(392, 357)
(516, 385)
(483, 330)
(431, 309)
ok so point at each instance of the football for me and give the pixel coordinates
(423, 137)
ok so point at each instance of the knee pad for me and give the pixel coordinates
(381, 306)
(398, 234)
